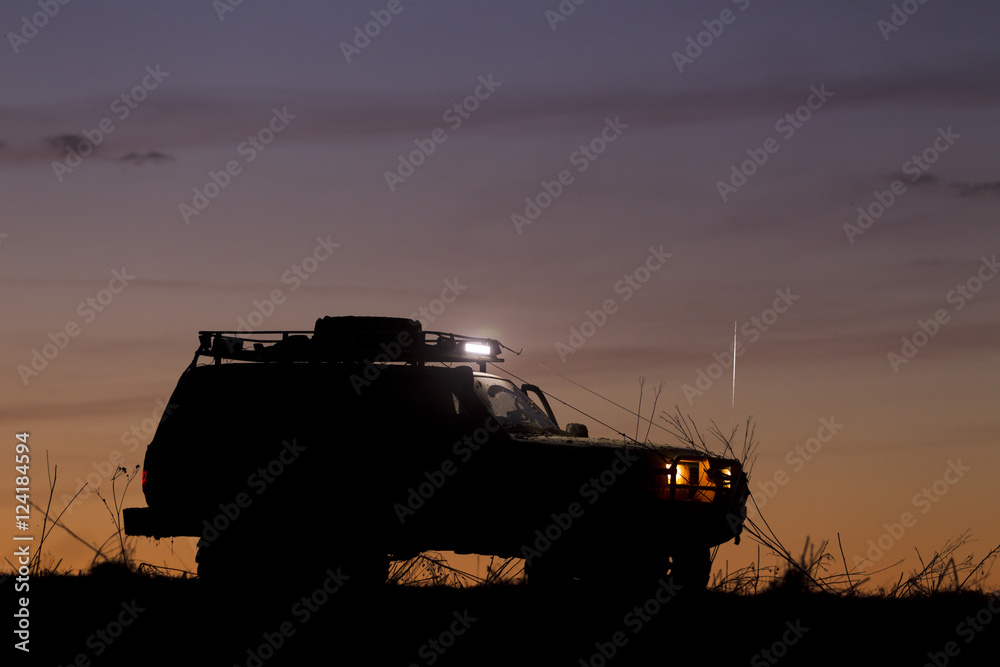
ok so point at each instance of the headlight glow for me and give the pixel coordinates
(478, 349)
(686, 473)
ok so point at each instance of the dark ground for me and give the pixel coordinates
(75, 620)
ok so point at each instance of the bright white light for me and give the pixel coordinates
(478, 349)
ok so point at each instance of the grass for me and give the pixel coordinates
(744, 611)
(117, 551)
(849, 621)
(742, 614)
(433, 569)
(126, 548)
(815, 570)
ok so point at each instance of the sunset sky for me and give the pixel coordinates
(606, 190)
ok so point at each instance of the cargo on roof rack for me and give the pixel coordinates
(349, 340)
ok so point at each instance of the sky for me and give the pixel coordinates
(606, 188)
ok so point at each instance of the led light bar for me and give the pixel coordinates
(478, 349)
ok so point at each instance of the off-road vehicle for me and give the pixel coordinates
(369, 439)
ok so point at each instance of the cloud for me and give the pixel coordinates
(224, 118)
(922, 180)
(71, 143)
(60, 146)
(978, 189)
(141, 158)
(955, 188)
(154, 283)
(86, 407)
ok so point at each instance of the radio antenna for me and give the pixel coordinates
(732, 414)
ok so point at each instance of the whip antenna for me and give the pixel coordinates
(732, 414)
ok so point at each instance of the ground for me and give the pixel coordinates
(121, 619)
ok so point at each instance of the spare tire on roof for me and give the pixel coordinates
(361, 337)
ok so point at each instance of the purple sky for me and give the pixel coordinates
(840, 111)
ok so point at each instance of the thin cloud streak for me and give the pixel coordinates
(179, 122)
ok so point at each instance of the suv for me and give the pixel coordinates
(368, 440)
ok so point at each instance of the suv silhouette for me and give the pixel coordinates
(369, 439)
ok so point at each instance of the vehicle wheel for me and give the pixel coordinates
(225, 567)
(691, 567)
(214, 563)
(632, 569)
(225, 562)
(548, 571)
(364, 569)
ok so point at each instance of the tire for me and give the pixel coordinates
(548, 571)
(213, 563)
(364, 569)
(234, 563)
(691, 567)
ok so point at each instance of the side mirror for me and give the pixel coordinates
(577, 430)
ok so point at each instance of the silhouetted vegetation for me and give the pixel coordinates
(180, 618)
(812, 609)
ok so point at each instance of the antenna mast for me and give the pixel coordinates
(732, 414)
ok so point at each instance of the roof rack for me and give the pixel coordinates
(349, 340)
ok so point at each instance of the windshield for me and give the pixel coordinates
(511, 406)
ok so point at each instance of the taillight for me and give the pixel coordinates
(144, 478)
